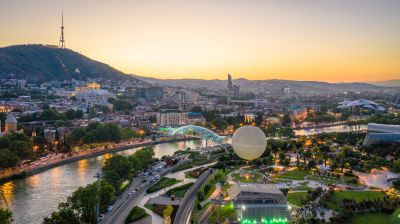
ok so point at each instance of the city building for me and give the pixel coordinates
(362, 104)
(382, 133)
(10, 124)
(299, 113)
(249, 117)
(148, 92)
(171, 117)
(236, 91)
(230, 84)
(92, 94)
(195, 118)
(259, 203)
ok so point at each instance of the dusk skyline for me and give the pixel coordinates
(334, 41)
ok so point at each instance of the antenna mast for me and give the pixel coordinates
(62, 41)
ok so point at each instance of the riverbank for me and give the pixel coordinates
(31, 170)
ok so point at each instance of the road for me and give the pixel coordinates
(125, 204)
(186, 207)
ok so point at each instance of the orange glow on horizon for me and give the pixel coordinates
(334, 41)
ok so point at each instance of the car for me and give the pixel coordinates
(101, 217)
(129, 194)
(144, 181)
(138, 188)
(109, 208)
(133, 192)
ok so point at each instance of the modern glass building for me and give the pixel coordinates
(382, 133)
(259, 203)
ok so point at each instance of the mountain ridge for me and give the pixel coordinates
(42, 63)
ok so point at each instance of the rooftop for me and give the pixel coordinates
(258, 188)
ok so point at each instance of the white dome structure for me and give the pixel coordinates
(249, 142)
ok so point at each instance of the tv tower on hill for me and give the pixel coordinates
(62, 41)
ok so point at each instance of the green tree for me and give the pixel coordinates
(116, 170)
(107, 194)
(84, 201)
(7, 158)
(21, 148)
(196, 109)
(64, 215)
(5, 216)
(396, 165)
(219, 123)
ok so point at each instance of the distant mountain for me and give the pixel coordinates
(42, 63)
(272, 85)
(388, 83)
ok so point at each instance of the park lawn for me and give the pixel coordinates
(395, 217)
(194, 174)
(370, 218)
(227, 211)
(351, 180)
(252, 179)
(338, 196)
(162, 183)
(191, 164)
(149, 206)
(179, 191)
(294, 174)
(295, 197)
(135, 214)
(324, 179)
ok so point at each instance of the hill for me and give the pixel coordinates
(269, 85)
(42, 63)
(389, 83)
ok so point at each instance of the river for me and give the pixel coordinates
(35, 197)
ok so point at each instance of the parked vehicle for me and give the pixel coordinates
(109, 208)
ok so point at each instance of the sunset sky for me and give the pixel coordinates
(325, 40)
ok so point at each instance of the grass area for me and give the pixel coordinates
(191, 164)
(338, 196)
(303, 189)
(179, 191)
(149, 206)
(295, 197)
(294, 174)
(248, 178)
(162, 183)
(227, 211)
(324, 179)
(395, 217)
(135, 214)
(370, 218)
(351, 180)
(194, 174)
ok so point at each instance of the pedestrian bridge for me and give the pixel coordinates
(197, 130)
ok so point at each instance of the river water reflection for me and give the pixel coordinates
(35, 197)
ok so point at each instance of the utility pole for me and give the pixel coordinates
(99, 174)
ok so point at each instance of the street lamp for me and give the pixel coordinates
(98, 175)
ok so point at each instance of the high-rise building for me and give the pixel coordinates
(236, 91)
(230, 84)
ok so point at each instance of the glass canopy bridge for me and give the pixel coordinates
(197, 130)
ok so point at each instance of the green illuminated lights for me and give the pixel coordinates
(266, 221)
